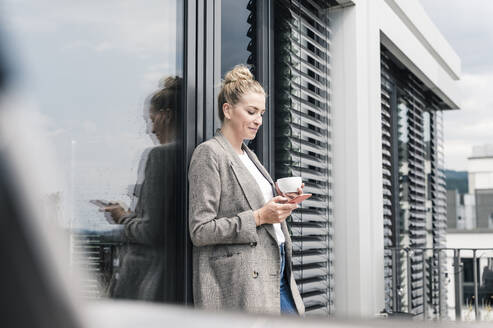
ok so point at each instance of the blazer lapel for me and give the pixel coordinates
(250, 188)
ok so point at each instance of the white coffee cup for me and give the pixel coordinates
(290, 184)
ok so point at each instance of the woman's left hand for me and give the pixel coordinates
(290, 195)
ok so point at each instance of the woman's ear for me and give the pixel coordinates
(168, 115)
(227, 110)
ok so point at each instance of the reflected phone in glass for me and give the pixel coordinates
(99, 203)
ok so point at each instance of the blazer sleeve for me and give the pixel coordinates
(206, 228)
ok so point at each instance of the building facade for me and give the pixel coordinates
(356, 91)
(391, 44)
(470, 226)
(350, 80)
(359, 91)
(480, 177)
(471, 208)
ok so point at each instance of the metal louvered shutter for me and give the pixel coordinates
(303, 142)
(251, 34)
(386, 98)
(412, 115)
(414, 194)
(438, 199)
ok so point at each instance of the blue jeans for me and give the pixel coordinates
(287, 302)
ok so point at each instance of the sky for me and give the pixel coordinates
(468, 27)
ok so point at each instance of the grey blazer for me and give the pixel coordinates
(150, 268)
(236, 265)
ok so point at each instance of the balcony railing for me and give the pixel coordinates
(428, 283)
(442, 283)
(95, 252)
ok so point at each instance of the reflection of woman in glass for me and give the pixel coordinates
(150, 269)
(242, 249)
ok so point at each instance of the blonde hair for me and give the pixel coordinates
(168, 96)
(237, 82)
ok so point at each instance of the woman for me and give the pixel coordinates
(242, 249)
(150, 266)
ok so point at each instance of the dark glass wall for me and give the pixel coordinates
(237, 33)
(238, 40)
(106, 81)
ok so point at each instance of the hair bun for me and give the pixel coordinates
(170, 82)
(239, 72)
(237, 82)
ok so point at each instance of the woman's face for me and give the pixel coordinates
(245, 117)
(159, 124)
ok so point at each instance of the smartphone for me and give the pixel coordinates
(299, 199)
(100, 202)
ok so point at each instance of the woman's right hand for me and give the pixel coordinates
(275, 211)
(115, 210)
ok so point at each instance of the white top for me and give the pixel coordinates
(266, 189)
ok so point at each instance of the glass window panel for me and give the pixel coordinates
(235, 34)
(104, 78)
(238, 39)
